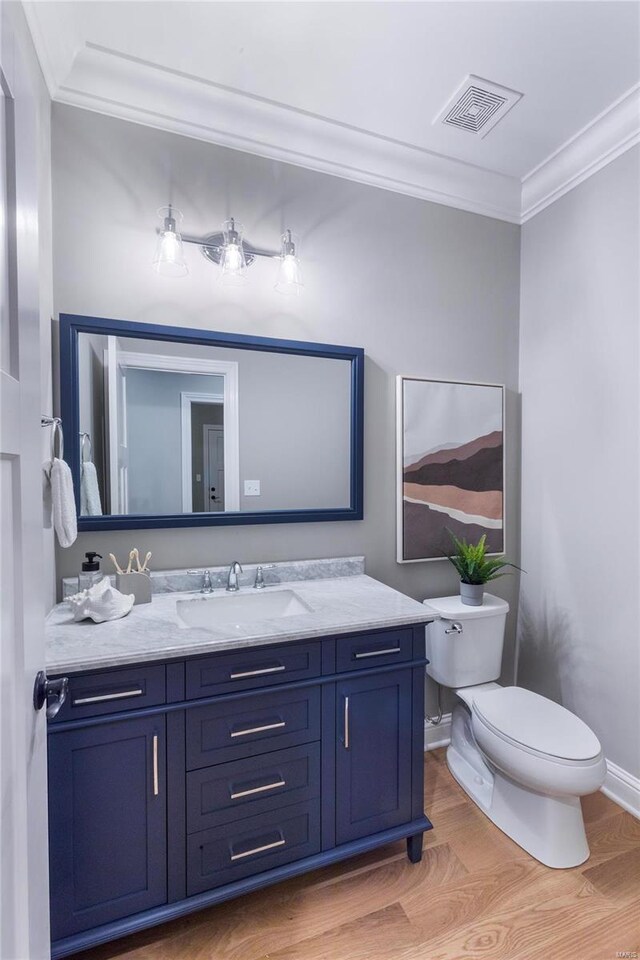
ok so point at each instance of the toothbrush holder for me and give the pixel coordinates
(139, 584)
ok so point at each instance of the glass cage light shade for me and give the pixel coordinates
(289, 280)
(233, 264)
(169, 259)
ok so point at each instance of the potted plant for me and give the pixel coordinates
(475, 568)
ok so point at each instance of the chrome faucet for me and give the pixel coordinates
(232, 578)
(207, 586)
(259, 583)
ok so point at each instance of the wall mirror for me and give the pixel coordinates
(167, 427)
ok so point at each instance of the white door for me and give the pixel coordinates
(213, 455)
(24, 909)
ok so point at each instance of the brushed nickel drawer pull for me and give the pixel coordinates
(103, 697)
(155, 765)
(250, 853)
(256, 673)
(267, 726)
(377, 653)
(346, 723)
(267, 786)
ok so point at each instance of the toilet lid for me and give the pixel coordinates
(537, 723)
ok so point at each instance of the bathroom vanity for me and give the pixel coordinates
(190, 765)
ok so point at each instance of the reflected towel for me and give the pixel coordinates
(90, 505)
(63, 504)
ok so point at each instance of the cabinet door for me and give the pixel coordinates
(107, 823)
(373, 759)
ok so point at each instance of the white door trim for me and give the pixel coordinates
(228, 369)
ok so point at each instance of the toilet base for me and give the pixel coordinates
(550, 828)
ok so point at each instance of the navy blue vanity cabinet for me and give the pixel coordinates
(107, 822)
(174, 786)
(373, 759)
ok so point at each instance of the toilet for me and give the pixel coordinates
(523, 759)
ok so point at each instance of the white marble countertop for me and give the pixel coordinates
(153, 631)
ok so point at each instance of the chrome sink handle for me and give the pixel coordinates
(207, 586)
(259, 583)
(232, 578)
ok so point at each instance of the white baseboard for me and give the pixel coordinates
(437, 735)
(623, 788)
(619, 785)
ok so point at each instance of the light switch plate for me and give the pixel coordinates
(252, 488)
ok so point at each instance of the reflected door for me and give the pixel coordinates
(213, 446)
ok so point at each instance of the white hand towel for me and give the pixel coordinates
(63, 504)
(90, 505)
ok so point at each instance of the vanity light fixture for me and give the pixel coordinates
(169, 256)
(228, 250)
(289, 280)
(233, 263)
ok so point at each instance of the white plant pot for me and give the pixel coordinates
(472, 593)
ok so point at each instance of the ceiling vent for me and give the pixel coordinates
(477, 105)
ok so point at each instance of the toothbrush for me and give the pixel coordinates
(116, 564)
(146, 561)
(131, 556)
(136, 557)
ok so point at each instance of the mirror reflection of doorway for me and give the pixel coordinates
(207, 456)
(213, 447)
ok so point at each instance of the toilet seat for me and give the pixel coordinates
(536, 725)
(533, 723)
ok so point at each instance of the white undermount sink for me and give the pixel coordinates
(238, 609)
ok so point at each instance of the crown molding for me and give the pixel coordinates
(109, 82)
(608, 135)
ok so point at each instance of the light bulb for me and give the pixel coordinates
(233, 265)
(289, 282)
(169, 256)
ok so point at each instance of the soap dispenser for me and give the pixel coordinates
(90, 573)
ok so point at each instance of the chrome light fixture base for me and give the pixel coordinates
(213, 245)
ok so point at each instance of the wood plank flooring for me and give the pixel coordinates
(475, 896)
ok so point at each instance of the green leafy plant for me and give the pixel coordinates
(473, 564)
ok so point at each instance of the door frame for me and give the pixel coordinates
(228, 370)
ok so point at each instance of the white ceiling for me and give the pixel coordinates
(353, 86)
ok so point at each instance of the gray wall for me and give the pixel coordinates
(427, 290)
(580, 377)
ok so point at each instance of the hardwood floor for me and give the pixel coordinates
(475, 894)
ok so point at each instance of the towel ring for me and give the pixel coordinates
(85, 442)
(56, 433)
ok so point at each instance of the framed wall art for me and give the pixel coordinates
(450, 450)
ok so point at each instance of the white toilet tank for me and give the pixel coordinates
(464, 647)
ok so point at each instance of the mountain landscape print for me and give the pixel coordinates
(451, 466)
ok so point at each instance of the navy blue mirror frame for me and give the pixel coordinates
(72, 325)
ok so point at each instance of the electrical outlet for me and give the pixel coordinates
(252, 488)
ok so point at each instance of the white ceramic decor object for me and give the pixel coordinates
(100, 603)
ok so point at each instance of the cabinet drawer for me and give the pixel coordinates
(113, 691)
(373, 650)
(237, 729)
(247, 847)
(257, 667)
(230, 791)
